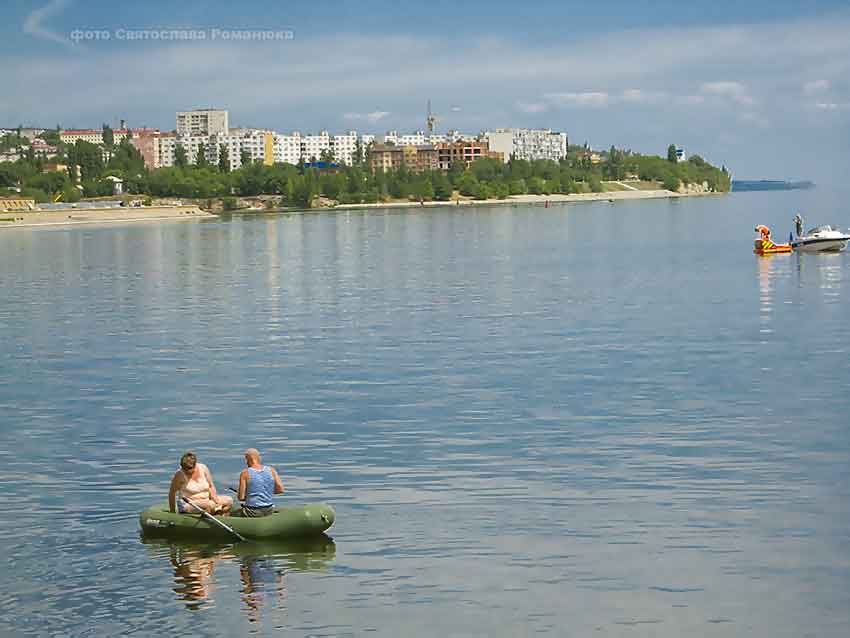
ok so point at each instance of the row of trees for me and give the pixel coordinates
(298, 186)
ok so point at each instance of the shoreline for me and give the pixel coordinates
(86, 216)
(528, 199)
(170, 213)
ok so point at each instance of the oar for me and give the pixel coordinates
(212, 518)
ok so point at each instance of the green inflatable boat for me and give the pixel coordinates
(287, 522)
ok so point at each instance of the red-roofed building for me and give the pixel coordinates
(91, 135)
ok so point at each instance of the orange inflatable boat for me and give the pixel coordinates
(764, 244)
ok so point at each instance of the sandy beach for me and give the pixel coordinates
(77, 216)
(537, 199)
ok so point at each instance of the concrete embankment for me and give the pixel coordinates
(120, 215)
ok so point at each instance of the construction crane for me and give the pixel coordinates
(431, 120)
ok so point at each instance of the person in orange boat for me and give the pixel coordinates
(766, 241)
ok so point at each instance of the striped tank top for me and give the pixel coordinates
(260, 488)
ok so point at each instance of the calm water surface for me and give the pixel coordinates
(606, 419)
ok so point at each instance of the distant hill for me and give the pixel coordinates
(769, 185)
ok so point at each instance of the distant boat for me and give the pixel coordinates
(739, 185)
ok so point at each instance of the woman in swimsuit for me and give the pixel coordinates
(194, 482)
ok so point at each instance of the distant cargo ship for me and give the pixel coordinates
(769, 185)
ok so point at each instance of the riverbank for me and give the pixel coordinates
(119, 215)
(533, 199)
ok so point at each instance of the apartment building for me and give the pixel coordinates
(390, 157)
(259, 144)
(527, 144)
(146, 141)
(464, 152)
(91, 135)
(203, 122)
(287, 148)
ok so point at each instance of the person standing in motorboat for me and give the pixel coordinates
(798, 224)
(258, 484)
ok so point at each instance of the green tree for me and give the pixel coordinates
(424, 190)
(108, 136)
(51, 136)
(536, 185)
(180, 159)
(201, 158)
(89, 158)
(671, 154)
(223, 159)
(442, 187)
(126, 159)
(483, 191)
(671, 182)
(244, 157)
(467, 184)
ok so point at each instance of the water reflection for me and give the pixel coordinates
(194, 571)
(766, 267)
(823, 270)
(263, 566)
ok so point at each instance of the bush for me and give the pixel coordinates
(229, 203)
(37, 194)
(671, 182)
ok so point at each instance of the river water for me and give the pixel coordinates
(598, 419)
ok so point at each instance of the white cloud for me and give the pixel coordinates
(532, 108)
(643, 96)
(816, 86)
(723, 88)
(735, 91)
(374, 116)
(33, 23)
(831, 106)
(590, 99)
(689, 100)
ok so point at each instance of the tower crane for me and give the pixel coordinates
(431, 120)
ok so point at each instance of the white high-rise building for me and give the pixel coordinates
(528, 144)
(287, 148)
(202, 122)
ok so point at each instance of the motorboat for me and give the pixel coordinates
(821, 239)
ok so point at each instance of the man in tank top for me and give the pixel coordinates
(258, 484)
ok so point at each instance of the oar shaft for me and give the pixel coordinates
(212, 518)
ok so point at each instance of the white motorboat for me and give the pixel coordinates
(821, 239)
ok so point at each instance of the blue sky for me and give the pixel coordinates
(763, 87)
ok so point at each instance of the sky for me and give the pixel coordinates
(761, 86)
